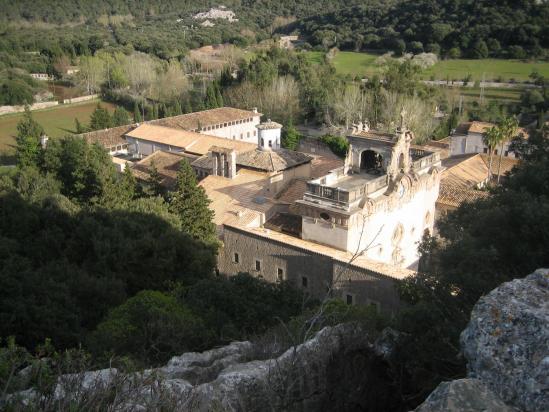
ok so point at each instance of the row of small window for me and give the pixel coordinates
(235, 122)
(242, 135)
(279, 271)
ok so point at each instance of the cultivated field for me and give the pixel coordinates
(363, 64)
(57, 122)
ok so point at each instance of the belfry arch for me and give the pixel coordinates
(371, 161)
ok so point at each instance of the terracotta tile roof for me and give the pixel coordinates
(240, 199)
(166, 163)
(339, 255)
(109, 137)
(203, 162)
(191, 142)
(272, 161)
(466, 171)
(193, 121)
(294, 191)
(322, 165)
(479, 127)
(507, 163)
(452, 196)
(377, 135)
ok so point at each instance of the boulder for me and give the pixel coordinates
(463, 395)
(506, 343)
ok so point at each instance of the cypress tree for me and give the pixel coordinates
(218, 95)
(27, 151)
(190, 202)
(120, 117)
(163, 111)
(100, 118)
(154, 182)
(188, 106)
(137, 113)
(78, 126)
(177, 109)
(211, 98)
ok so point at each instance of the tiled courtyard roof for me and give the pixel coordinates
(272, 161)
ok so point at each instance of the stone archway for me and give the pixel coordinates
(371, 161)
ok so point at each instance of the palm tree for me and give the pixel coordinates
(491, 138)
(508, 130)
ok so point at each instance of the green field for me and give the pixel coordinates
(57, 121)
(363, 64)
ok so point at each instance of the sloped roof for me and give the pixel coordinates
(239, 199)
(480, 127)
(294, 191)
(466, 171)
(167, 164)
(109, 137)
(211, 117)
(507, 163)
(450, 195)
(272, 161)
(192, 142)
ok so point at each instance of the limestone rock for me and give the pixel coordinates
(463, 395)
(507, 341)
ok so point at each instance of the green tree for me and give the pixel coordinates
(154, 182)
(491, 138)
(16, 92)
(290, 137)
(211, 98)
(337, 144)
(177, 109)
(78, 126)
(190, 202)
(151, 327)
(100, 118)
(28, 150)
(508, 130)
(120, 117)
(137, 117)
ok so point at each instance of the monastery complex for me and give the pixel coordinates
(345, 227)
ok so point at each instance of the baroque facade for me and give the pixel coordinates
(380, 203)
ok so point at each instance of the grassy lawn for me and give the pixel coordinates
(363, 64)
(491, 68)
(57, 121)
(473, 93)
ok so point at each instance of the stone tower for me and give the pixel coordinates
(268, 136)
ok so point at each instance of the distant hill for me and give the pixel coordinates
(468, 28)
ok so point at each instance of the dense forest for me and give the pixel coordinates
(452, 28)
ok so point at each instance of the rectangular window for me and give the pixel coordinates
(258, 265)
(255, 132)
(248, 134)
(262, 142)
(241, 136)
(270, 143)
(485, 150)
(279, 274)
(236, 258)
(304, 281)
(349, 299)
(506, 153)
(496, 151)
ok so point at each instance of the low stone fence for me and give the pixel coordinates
(81, 99)
(19, 109)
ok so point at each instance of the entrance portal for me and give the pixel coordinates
(371, 162)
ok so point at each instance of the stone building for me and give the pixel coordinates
(468, 138)
(380, 203)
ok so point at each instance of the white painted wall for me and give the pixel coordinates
(236, 130)
(473, 143)
(374, 234)
(269, 139)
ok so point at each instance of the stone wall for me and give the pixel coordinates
(314, 272)
(81, 99)
(19, 109)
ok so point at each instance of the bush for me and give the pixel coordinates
(150, 327)
(337, 144)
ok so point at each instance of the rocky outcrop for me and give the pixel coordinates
(338, 369)
(506, 344)
(463, 395)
